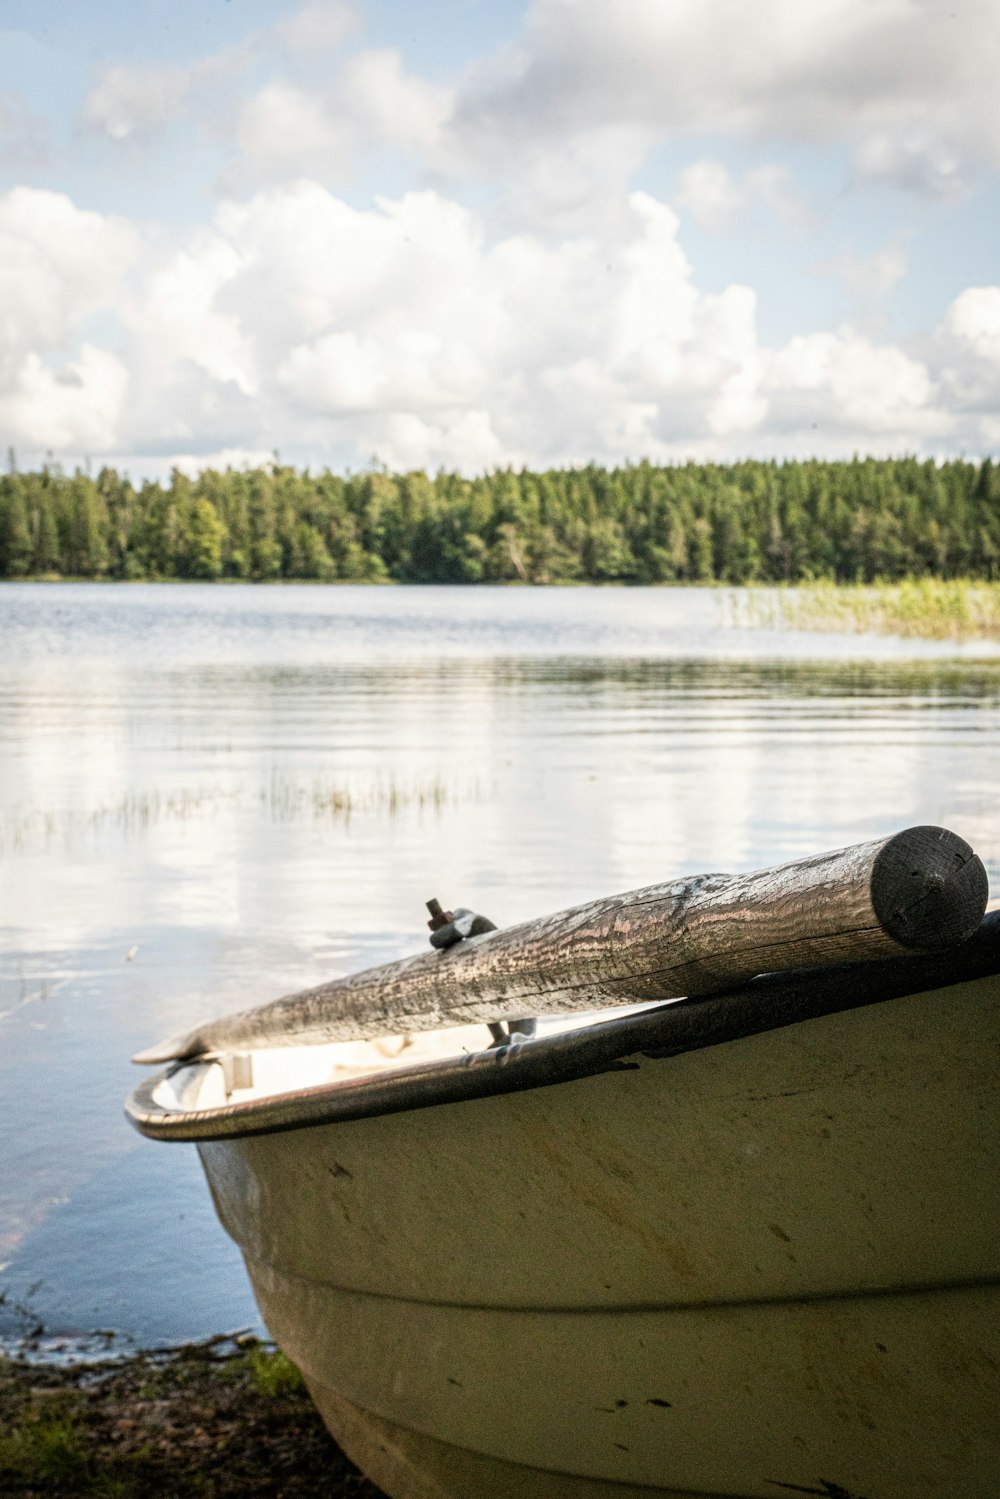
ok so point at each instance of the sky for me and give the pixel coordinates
(463, 234)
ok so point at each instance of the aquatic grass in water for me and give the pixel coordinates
(926, 608)
(285, 799)
(133, 814)
(288, 799)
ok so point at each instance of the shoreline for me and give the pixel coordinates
(925, 607)
(226, 1417)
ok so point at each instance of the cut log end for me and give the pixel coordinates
(929, 890)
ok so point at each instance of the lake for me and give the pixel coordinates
(213, 795)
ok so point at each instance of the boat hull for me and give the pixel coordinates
(411, 1466)
(767, 1266)
(885, 1397)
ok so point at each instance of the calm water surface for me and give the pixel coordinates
(212, 795)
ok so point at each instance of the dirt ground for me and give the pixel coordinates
(207, 1421)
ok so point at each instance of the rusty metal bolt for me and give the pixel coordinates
(439, 917)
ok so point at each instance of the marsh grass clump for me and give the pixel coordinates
(273, 1373)
(45, 1446)
(131, 816)
(285, 798)
(229, 1419)
(390, 796)
(924, 608)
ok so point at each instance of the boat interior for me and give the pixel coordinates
(259, 1089)
(214, 1081)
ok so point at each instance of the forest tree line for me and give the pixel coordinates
(695, 523)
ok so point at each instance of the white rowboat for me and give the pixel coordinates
(744, 1246)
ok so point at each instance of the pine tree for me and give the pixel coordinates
(16, 546)
(47, 558)
(204, 538)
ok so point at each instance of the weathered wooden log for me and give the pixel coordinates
(920, 890)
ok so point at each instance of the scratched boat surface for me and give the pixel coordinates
(733, 1258)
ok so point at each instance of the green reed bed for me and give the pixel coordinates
(930, 608)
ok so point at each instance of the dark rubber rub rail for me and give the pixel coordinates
(764, 1004)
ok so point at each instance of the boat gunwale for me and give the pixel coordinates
(768, 1002)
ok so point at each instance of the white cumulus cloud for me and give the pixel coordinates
(24, 135)
(974, 318)
(844, 386)
(868, 278)
(129, 102)
(316, 27)
(911, 83)
(912, 159)
(969, 348)
(58, 263)
(284, 131)
(300, 322)
(58, 266)
(716, 200)
(377, 94)
(75, 406)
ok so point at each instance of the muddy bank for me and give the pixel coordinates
(217, 1419)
